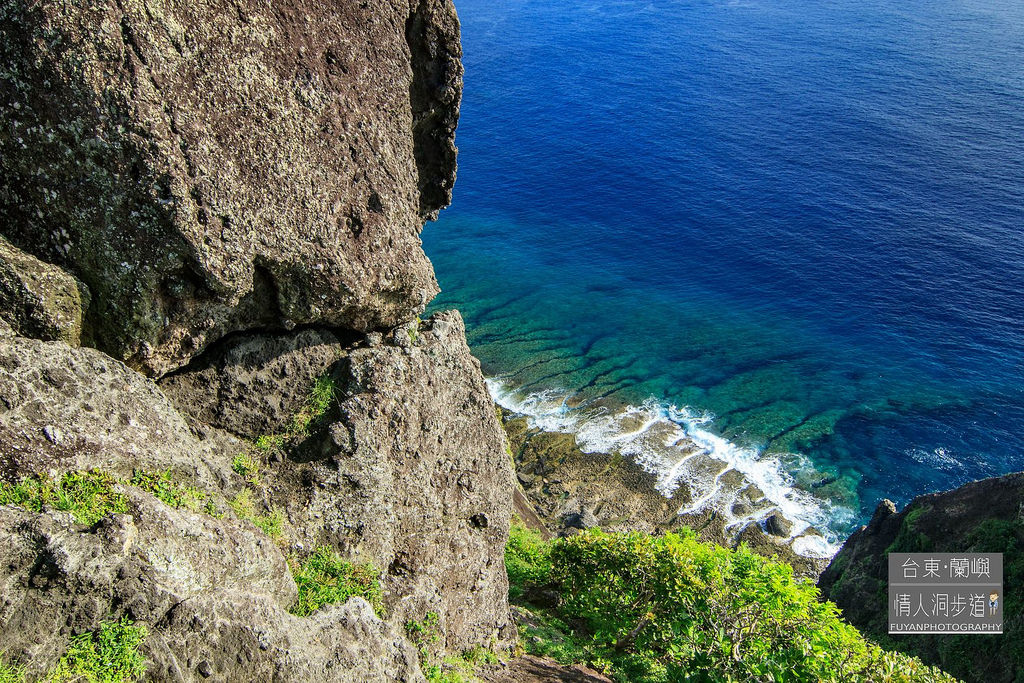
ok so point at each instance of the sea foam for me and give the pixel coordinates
(678, 446)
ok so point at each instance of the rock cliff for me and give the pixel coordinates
(983, 516)
(210, 167)
(210, 282)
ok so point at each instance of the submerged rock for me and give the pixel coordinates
(570, 490)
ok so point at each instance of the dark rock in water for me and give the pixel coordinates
(38, 299)
(205, 172)
(983, 516)
(777, 525)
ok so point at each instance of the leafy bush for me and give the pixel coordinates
(527, 560)
(325, 578)
(317, 403)
(247, 466)
(664, 609)
(88, 496)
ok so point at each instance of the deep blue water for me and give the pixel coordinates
(803, 220)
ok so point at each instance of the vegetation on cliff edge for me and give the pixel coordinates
(664, 609)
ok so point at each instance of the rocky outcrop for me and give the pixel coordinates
(983, 516)
(38, 299)
(570, 491)
(252, 385)
(64, 409)
(206, 169)
(406, 470)
(213, 595)
(222, 205)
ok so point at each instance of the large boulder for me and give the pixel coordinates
(252, 385)
(65, 409)
(408, 471)
(206, 169)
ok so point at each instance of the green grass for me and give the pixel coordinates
(269, 442)
(88, 496)
(317, 402)
(162, 485)
(10, 673)
(325, 578)
(247, 466)
(271, 524)
(110, 654)
(664, 609)
(527, 560)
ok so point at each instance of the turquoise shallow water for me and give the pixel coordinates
(789, 234)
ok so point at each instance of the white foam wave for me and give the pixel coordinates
(676, 445)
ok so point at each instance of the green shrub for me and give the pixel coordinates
(317, 403)
(527, 560)
(88, 496)
(661, 609)
(325, 578)
(269, 442)
(108, 655)
(162, 485)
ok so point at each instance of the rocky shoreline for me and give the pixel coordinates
(570, 490)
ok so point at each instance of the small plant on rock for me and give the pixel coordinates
(162, 485)
(248, 467)
(244, 508)
(317, 402)
(108, 655)
(325, 578)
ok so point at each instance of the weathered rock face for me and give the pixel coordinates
(983, 516)
(406, 470)
(65, 409)
(253, 385)
(409, 472)
(206, 169)
(214, 597)
(240, 190)
(38, 299)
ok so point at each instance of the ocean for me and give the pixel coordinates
(785, 236)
